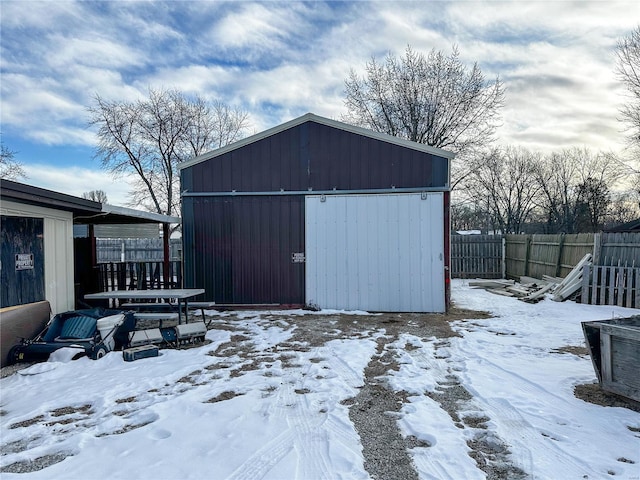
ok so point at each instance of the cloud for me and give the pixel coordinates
(279, 60)
(78, 180)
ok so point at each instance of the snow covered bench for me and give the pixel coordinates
(145, 337)
(167, 307)
(160, 317)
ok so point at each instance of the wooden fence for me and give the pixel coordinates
(608, 285)
(617, 249)
(613, 279)
(538, 255)
(136, 249)
(477, 256)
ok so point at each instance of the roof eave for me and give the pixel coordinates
(130, 212)
(47, 198)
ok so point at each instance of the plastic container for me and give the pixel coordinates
(107, 327)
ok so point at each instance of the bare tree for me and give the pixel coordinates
(556, 177)
(149, 137)
(628, 70)
(574, 186)
(466, 216)
(505, 179)
(623, 208)
(96, 196)
(434, 99)
(10, 169)
(592, 203)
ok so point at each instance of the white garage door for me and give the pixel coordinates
(375, 252)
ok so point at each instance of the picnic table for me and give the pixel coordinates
(181, 295)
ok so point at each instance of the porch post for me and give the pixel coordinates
(165, 242)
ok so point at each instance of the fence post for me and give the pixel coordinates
(527, 254)
(597, 248)
(586, 277)
(559, 257)
(504, 257)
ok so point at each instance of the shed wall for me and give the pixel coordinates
(317, 157)
(239, 249)
(243, 210)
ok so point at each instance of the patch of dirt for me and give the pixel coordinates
(125, 429)
(40, 463)
(223, 396)
(128, 399)
(59, 412)
(490, 453)
(476, 422)
(451, 397)
(62, 421)
(19, 445)
(27, 423)
(373, 410)
(593, 393)
(189, 378)
(11, 369)
(579, 351)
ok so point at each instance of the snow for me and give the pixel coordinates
(189, 414)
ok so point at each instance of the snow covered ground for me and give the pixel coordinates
(252, 405)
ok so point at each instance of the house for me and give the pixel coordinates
(632, 226)
(41, 272)
(318, 212)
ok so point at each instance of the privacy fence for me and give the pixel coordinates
(127, 263)
(136, 249)
(477, 256)
(538, 255)
(613, 279)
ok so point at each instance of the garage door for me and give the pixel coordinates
(375, 252)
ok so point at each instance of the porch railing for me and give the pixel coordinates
(138, 275)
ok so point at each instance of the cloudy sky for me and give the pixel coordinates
(279, 60)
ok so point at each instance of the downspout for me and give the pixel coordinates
(447, 249)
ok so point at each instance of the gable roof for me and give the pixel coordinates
(310, 117)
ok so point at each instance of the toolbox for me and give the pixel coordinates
(143, 351)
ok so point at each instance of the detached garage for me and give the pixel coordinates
(319, 212)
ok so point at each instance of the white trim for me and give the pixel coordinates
(310, 117)
(365, 191)
(130, 212)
